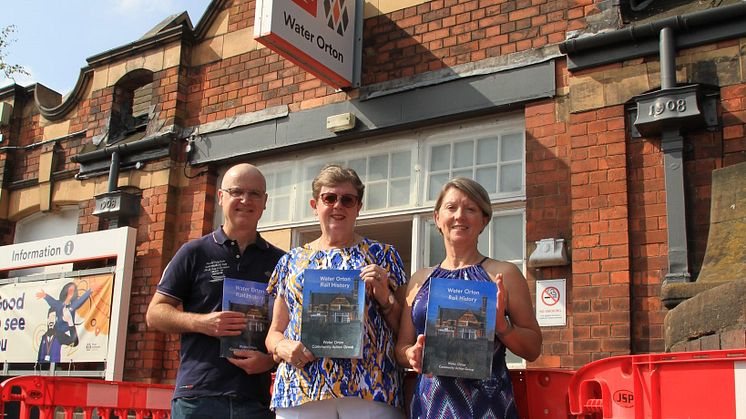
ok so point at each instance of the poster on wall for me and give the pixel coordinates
(551, 307)
(59, 320)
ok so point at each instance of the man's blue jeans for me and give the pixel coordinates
(218, 407)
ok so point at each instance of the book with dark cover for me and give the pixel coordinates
(333, 310)
(460, 328)
(250, 298)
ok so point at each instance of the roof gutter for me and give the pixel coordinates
(698, 28)
(124, 149)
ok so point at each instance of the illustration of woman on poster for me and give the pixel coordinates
(65, 308)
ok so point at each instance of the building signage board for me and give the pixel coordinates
(60, 320)
(551, 306)
(318, 35)
(58, 250)
(80, 319)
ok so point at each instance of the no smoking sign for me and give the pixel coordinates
(550, 302)
(551, 296)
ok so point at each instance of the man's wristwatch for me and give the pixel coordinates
(507, 330)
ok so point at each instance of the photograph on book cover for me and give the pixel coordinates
(250, 298)
(460, 328)
(333, 310)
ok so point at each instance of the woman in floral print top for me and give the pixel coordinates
(306, 386)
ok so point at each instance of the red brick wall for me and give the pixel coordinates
(24, 164)
(406, 42)
(445, 33)
(548, 210)
(154, 355)
(600, 285)
(167, 85)
(66, 150)
(648, 239)
(155, 247)
(100, 111)
(251, 82)
(87, 222)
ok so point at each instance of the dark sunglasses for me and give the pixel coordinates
(347, 200)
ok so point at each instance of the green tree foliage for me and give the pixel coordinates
(8, 69)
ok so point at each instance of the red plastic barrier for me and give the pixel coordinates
(705, 384)
(50, 394)
(541, 393)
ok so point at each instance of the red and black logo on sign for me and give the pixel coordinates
(308, 5)
(624, 398)
(336, 14)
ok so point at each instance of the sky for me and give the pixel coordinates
(53, 38)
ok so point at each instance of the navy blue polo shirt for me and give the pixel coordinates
(195, 277)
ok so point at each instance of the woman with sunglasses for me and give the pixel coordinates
(462, 211)
(310, 387)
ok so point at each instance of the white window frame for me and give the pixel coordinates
(474, 131)
(274, 169)
(418, 142)
(365, 149)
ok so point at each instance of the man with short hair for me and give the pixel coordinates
(188, 301)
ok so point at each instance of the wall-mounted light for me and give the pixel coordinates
(342, 122)
(548, 252)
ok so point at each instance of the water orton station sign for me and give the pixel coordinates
(318, 35)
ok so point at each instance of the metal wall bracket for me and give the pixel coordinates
(686, 108)
(548, 252)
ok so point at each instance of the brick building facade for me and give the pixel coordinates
(184, 102)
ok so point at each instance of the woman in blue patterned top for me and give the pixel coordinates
(462, 211)
(310, 387)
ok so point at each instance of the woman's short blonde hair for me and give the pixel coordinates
(470, 188)
(333, 175)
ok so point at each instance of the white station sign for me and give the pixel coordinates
(317, 35)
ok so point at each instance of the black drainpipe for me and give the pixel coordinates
(693, 29)
(114, 205)
(672, 143)
(670, 112)
(113, 172)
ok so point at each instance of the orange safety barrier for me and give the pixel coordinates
(70, 395)
(704, 384)
(541, 393)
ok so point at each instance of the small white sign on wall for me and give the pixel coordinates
(551, 302)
